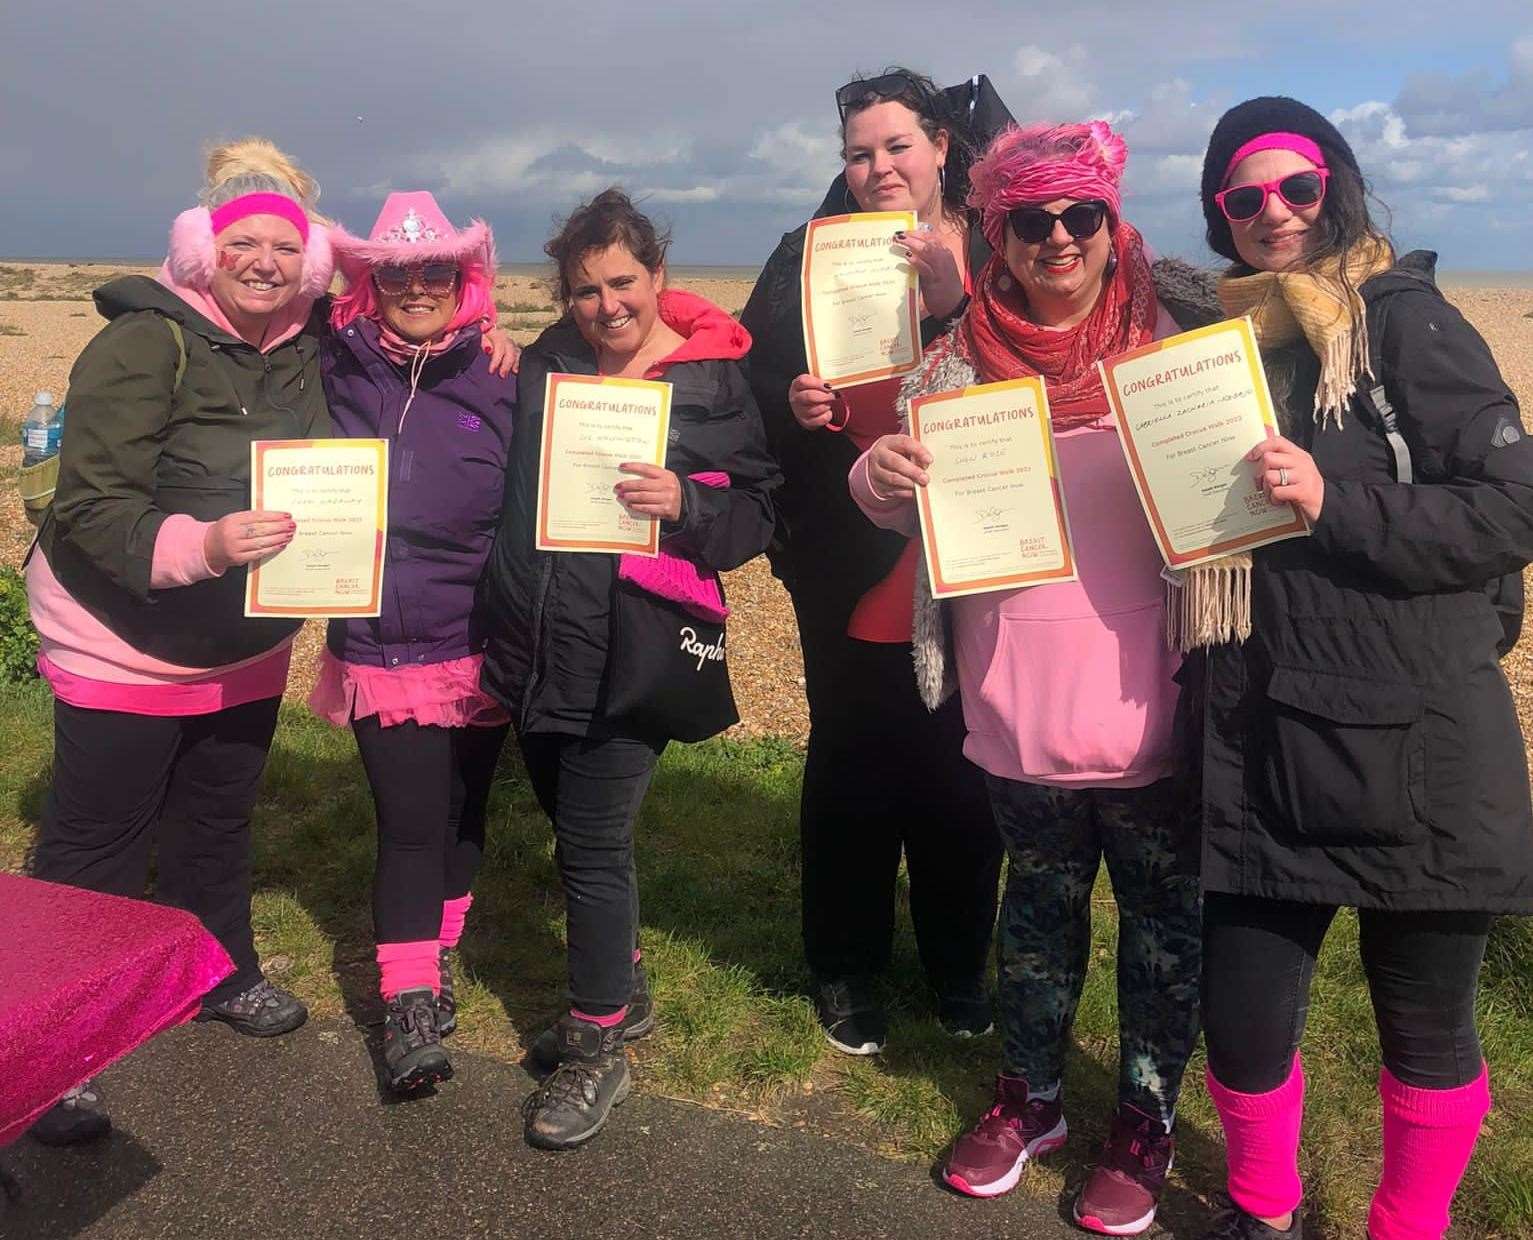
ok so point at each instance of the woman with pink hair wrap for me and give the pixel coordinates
(1067, 689)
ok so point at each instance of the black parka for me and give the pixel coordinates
(549, 613)
(1361, 747)
(140, 446)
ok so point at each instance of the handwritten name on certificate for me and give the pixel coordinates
(338, 493)
(993, 511)
(591, 425)
(1189, 408)
(862, 316)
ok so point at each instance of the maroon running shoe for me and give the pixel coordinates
(989, 1159)
(1123, 1189)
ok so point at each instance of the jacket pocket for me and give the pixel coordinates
(1343, 760)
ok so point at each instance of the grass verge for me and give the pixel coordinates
(718, 866)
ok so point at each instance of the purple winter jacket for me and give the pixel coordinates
(446, 477)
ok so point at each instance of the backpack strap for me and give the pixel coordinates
(180, 338)
(1390, 423)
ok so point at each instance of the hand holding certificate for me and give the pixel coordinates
(1189, 408)
(592, 425)
(993, 511)
(861, 309)
(337, 492)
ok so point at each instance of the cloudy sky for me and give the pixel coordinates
(720, 113)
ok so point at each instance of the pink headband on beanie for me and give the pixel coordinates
(260, 204)
(1041, 163)
(1277, 141)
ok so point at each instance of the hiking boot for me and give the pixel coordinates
(412, 1047)
(964, 1009)
(263, 1011)
(77, 1117)
(989, 1159)
(1235, 1224)
(446, 1005)
(638, 1022)
(852, 1019)
(572, 1105)
(1123, 1189)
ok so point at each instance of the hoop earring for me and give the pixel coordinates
(942, 182)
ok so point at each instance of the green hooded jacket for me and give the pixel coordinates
(140, 447)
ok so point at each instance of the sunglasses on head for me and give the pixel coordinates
(435, 279)
(867, 91)
(1032, 225)
(1297, 190)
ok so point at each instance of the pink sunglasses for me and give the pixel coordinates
(1298, 190)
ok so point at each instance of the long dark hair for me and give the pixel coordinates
(919, 93)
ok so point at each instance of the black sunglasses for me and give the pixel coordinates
(1032, 225)
(436, 279)
(867, 91)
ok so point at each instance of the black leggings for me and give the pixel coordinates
(883, 776)
(122, 782)
(1258, 962)
(591, 791)
(430, 788)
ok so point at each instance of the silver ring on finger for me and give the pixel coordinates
(1282, 476)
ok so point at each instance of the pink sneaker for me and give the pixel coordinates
(989, 1159)
(1121, 1193)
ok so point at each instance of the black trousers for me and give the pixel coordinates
(1259, 960)
(591, 791)
(430, 789)
(123, 783)
(883, 776)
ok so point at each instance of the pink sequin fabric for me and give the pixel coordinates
(85, 978)
(444, 695)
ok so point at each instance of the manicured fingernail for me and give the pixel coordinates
(900, 236)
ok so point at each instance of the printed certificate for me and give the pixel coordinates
(862, 316)
(338, 493)
(591, 425)
(993, 511)
(1189, 408)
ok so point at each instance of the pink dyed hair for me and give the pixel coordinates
(476, 292)
(1040, 163)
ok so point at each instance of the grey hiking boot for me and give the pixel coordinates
(446, 1005)
(77, 1117)
(1235, 1224)
(572, 1105)
(638, 1023)
(263, 1011)
(412, 1046)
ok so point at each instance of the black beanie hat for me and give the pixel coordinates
(1251, 119)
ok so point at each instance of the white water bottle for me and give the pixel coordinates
(41, 430)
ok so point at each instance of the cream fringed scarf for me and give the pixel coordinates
(1212, 603)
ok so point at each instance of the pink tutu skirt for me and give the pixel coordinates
(443, 695)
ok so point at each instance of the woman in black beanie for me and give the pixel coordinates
(1360, 745)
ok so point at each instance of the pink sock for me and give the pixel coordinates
(454, 913)
(601, 1022)
(1429, 1135)
(1261, 1143)
(408, 966)
(637, 955)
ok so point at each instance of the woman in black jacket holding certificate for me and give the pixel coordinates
(588, 650)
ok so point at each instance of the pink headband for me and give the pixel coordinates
(1279, 141)
(1033, 165)
(260, 204)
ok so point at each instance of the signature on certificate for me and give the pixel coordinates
(1209, 475)
(316, 554)
(988, 514)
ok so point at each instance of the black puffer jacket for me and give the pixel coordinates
(825, 551)
(1361, 747)
(548, 613)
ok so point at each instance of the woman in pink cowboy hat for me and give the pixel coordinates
(406, 362)
(165, 695)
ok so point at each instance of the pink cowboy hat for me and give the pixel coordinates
(412, 229)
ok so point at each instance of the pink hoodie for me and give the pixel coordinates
(1068, 684)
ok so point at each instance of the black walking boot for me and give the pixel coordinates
(412, 1047)
(570, 1107)
(263, 1011)
(638, 1023)
(446, 1005)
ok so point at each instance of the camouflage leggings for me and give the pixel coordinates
(1055, 839)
